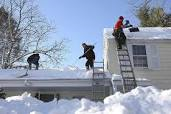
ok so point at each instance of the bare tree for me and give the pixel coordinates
(27, 31)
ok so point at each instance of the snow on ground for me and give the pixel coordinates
(141, 100)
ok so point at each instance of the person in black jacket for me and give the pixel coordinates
(89, 55)
(33, 59)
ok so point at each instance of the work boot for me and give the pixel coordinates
(119, 47)
(87, 68)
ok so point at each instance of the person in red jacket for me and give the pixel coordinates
(118, 33)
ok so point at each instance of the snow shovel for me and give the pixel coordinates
(131, 28)
(134, 29)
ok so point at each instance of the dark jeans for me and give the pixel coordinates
(89, 64)
(120, 39)
(36, 63)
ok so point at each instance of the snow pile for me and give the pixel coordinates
(150, 33)
(139, 101)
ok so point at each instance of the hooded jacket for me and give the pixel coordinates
(88, 52)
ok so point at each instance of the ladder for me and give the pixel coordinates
(98, 81)
(126, 70)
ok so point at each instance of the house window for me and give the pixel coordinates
(46, 97)
(139, 56)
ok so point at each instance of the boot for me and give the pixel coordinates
(87, 68)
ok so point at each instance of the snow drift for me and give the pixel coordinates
(141, 100)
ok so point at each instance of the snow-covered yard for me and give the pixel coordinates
(141, 100)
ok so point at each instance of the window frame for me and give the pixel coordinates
(144, 59)
(42, 96)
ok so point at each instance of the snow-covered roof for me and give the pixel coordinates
(64, 73)
(144, 33)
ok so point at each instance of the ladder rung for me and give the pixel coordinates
(124, 59)
(123, 55)
(128, 77)
(129, 71)
(129, 82)
(126, 65)
(98, 67)
(122, 49)
(130, 85)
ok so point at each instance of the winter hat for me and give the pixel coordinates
(83, 43)
(121, 17)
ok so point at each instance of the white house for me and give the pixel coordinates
(150, 53)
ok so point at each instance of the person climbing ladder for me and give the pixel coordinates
(118, 32)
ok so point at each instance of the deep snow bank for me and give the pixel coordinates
(141, 100)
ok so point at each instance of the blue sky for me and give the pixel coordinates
(83, 21)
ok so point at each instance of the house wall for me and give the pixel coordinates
(62, 93)
(111, 62)
(64, 89)
(159, 75)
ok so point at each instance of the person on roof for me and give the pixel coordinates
(89, 55)
(33, 59)
(118, 32)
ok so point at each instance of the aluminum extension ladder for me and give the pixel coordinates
(98, 81)
(126, 70)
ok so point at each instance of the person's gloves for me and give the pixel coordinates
(131, 25)
(80, 57)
